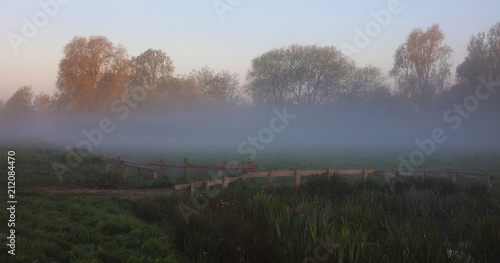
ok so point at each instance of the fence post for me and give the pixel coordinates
(249, 170)
(119, 166)
(192, 190)
(185, 169)
(454, 178)
(226, 182)
(270, 177)
(488, 181)
(161, 168)
(219, 171)
(155, 174)
(297, 178)
(365, 173)
(126, 172)
(330, 173)
(423, 174)
(107, 166)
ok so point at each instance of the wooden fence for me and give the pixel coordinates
(158, 167)
(218, 166)
(330, 172)
(129, 165)
(272, 174)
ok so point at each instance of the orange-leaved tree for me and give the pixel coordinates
(421, 65)
(92, 73)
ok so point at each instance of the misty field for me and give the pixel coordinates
(341, 220)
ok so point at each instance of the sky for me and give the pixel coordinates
(223, 34)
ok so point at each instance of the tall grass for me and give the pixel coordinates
(424, 220)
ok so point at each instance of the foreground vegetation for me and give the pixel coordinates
(334, 221)
(338, 220)
(83, 230)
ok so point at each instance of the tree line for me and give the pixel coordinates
(94, 72)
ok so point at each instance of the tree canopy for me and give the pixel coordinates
(92, 73)
(421, 65)
(21, 102)
(307, 75)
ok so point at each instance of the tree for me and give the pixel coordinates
(215, 87)
(268, 77)
(421, 65)
(150, 68)
(305, 75)
(2, 106)
(483, 58)
(21, 102)
(43, 103)
(365, 84)
(92, 73)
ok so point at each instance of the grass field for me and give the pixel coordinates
(341, 220)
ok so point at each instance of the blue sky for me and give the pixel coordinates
(193, 35)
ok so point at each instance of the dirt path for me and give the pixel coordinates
(97, 193)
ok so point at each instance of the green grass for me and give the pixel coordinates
(84, 230)
(340, 220)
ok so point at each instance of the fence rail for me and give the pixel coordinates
(330, 172)
(158, 167)
(129, 165)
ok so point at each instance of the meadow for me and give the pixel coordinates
(344, 219)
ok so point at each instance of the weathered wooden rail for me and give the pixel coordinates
(218, 166)
(158, 167)
(271, 174)
(129, 165)
(330, 172)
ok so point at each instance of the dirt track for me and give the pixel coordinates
(97, 193)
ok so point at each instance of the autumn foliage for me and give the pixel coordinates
(94, 73)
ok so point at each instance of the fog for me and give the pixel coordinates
(253, 129)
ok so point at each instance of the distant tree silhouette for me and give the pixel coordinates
(21, 102)
(220, 87)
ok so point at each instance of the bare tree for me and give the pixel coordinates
(421, 65)
(92, 73)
